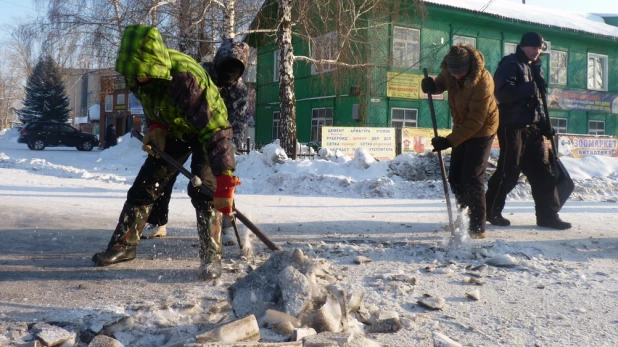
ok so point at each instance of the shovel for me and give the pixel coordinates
(442, 168)
(198, 183)
(564, 183)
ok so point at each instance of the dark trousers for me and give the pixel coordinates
(156, 175)
(467, 178)
(522, 150)
(160, 209)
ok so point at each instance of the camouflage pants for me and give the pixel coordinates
(209, 232)
(154, 176)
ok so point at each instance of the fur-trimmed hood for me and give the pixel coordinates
(477, 65)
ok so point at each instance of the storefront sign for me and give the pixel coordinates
(403, 85)
(582, 100)
(419, 139)
(380, 142)
(578, 146)
(134, 105)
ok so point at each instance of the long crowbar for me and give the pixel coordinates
(441, 161)
(198, 183)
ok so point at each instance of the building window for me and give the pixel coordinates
(324, 48)
(109, 103)
(558, 66)
(596, 127)
(559, 124)
(597, 71)
(509, 48)
(120, 99)
(276, 124)
(464, 39)
(276, 66)
(320, 117)
(120, 84)
(406, 47)
(404, 118)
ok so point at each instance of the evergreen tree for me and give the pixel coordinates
(46, 97)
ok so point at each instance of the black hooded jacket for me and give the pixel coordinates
(517, 94)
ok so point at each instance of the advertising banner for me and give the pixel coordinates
(419, 139)
(578, 146)
(403, 85)
(582, 100)
(380, 142)
(134, 105)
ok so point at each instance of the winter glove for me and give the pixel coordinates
(156, 137)
(440, 143)
(537, 75)
(546, 129)
(224, 194)
(428, 85)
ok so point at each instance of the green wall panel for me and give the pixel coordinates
(492, 50)
(578, 67)
(578, 122)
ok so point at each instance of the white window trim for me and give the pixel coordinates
(332, 118)
(455, 37)
(109, 101)
(276, 65)
(605, 69)
(567, 67)
(326, 67)
(404, 120)
(560, 119)
(417, 58)
(504, 48)
(596, 121)
(278, 122)
(120, 99)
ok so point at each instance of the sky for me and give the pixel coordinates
(543, 287)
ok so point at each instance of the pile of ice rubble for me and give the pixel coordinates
(291, 300)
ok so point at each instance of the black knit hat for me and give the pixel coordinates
(458, 60)
(531, 39)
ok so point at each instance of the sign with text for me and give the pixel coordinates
(403, 85)
(419, 139)
(578, 146)
(380, 142)
(134, 105)
(582, 100)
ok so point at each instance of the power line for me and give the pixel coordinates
(14, 4)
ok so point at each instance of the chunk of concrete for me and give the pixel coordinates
(295, 290)
(104, 341)
(328, 317)
(300, 333)
(441, 340)
(386, 322)
(276, 317)
(52, 335)
(241, 330)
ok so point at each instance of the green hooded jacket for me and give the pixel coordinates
(180, 95)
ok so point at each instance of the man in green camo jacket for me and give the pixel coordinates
(186, 116)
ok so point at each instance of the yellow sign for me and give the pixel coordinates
(403, 85)
(419, 139)
(380, 142)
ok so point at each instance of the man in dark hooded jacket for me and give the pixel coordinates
(522, 128)
(187, 117)
(235, 97)
(475, 120)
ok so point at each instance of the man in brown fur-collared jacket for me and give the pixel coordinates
(475, 122)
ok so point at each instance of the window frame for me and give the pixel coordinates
(320, 122)
(605, 71)
(558, 127)
(276, 125)
(555, 53)
(119, 100)
(331, 49)
(276, 65)
(455, 37)
(504, 53)
(109, 101)
(405, 63)
(596, 129)
(404, 120)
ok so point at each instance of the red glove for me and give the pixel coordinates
(224, 194)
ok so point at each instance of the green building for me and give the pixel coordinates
(581, 66)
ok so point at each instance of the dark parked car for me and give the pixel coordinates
(39, 135)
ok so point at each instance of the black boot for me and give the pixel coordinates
(115, 254)
(498, 220)
(553, 222)
(209, 233)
